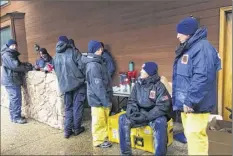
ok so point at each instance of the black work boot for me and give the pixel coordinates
(68, 134)
(80, 130)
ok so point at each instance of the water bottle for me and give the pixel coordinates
(132, 83)
(131, 66)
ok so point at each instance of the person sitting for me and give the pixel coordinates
(149, 103)
(43, 61)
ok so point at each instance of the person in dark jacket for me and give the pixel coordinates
(194, 83)
(149, 103)
(111, 66)
(71, 81)
(71, 42)
(13, 71)
(44, 60)
(99, 93)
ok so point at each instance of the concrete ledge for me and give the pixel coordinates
(41, 99)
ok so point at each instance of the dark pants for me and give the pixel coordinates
(74, 107)
(159, 127)
(15, 98)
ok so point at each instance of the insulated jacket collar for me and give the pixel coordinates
(6, 49)
(200, 34)
(61, 47)
(150, 80)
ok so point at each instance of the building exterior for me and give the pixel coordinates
(134, 30)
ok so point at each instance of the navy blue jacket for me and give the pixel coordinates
(99, 88)
(111, 67)
(149, 100)
(41, 63)
(12, 69)
(194, 74)
(67, 67)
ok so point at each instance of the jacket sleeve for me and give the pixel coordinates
(13, 64)
(41, 63)
(132, 103)
(196, 90)
(163, 104)
(77, 55)
(95, 80)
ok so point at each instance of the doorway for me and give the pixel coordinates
(225, 75)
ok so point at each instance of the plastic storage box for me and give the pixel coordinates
(141, 138)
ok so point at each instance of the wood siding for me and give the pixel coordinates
(134, 31)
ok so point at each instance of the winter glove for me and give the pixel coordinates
(139, 118)
(143, 112)
(28, 66)
(131, 109)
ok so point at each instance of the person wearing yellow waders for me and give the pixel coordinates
(194, 83)
(99, 93)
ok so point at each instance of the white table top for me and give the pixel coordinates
(122, 94)
(118, 92)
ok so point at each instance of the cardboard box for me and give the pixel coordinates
(220, 137)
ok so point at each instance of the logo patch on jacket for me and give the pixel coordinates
(152, 94)
(185, 59)
(164, 98)
(97, 81)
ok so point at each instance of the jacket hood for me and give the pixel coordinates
(5, 49)
(91, 58)
(106, 53)
(200, 34)
(150, 80)
(61, 47)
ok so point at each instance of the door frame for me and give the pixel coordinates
(222, 38)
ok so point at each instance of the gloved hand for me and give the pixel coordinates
(131, 109)
(143, 112)
(138, 118)
(28, 66)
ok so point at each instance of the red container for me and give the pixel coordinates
(132, 74)
(50, 67)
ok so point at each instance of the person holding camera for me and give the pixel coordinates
(13, 71)
(44, 63)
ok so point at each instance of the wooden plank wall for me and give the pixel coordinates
(133, 30)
